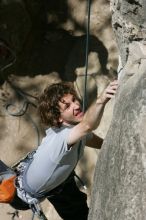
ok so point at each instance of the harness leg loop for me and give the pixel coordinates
(36, 209)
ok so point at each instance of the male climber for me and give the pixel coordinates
(50, 173)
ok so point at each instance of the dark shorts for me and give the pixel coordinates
(69, 201)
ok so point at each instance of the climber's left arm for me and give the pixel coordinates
(94, 142)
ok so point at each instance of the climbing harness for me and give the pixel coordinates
(9, 192)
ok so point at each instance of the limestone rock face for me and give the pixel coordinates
(129, 23)
(119, 191)
(120, 176)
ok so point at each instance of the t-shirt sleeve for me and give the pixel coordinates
(59, 142)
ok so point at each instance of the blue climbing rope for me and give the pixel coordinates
(86, 54)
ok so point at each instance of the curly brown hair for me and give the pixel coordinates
(49, 102)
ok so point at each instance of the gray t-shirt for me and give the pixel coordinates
(53, 161)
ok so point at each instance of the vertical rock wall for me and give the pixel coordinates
(128, 19)
(119, 191)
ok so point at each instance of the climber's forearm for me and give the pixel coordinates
(94, 114)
